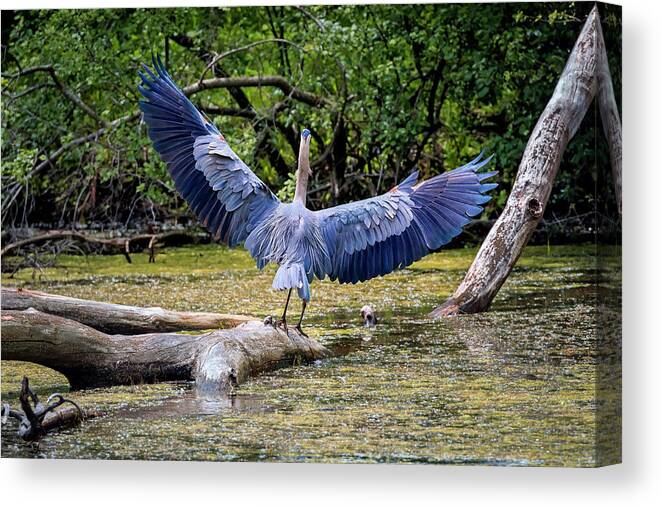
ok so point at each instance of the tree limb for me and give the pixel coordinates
(272, 152)
(315, 19)
(27, 91)
(256, 81)
(208, 84)
(539, 165)
(50, 70)
(93, 136)
(37, 419)
(124, 245)
(230, 52)
(213, 110)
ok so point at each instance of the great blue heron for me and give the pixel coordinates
(349, 243)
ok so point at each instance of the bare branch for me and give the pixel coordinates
(316, 20)
(221, 56)
(27, 71)
(211, 109)
(27, 91)
(124, 245)
(118, 319)
(94, 136)
(63, 88)
(257, 81)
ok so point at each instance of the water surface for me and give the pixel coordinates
(513, 386)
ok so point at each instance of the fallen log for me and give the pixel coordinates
(216, 361)
(559, 122)
(117, 319)
(68, 417)
(123, 245)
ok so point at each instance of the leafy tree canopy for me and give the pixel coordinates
(384, 89)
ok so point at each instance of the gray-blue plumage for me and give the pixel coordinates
(349, 243)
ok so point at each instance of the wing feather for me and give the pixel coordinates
(226, 196)
(375, 236)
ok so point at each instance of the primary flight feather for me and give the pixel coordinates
(349, 243)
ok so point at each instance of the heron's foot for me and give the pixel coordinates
(269, 321)
(282, 324)
(300, 330)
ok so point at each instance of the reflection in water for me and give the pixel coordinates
(193, 402)
(513, 386)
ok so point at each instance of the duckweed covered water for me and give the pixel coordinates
(514, 386)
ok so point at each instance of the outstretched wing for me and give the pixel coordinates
(227, 197)
(376, 236)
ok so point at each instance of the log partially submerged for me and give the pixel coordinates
(216, 361)
(100, 344)
(117, 319)
(585, 74)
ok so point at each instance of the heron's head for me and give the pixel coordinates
(304, 152)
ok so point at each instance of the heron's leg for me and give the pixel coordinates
(300, 321)
(283, 321)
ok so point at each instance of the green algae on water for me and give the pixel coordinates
(513, 386)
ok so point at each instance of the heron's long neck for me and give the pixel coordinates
(303, 173)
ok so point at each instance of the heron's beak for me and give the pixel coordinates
(305, 146)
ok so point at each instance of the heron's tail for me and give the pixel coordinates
(293, 276)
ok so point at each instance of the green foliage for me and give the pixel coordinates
(419, 86)
(19, 168)
(288, 189)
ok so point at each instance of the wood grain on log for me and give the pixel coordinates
(68, 417)
(90, 358)
(117, 319)
(539, 165)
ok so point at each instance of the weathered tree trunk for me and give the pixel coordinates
(117, 319)
(90, 358)
(610, 117)
(525, 206)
